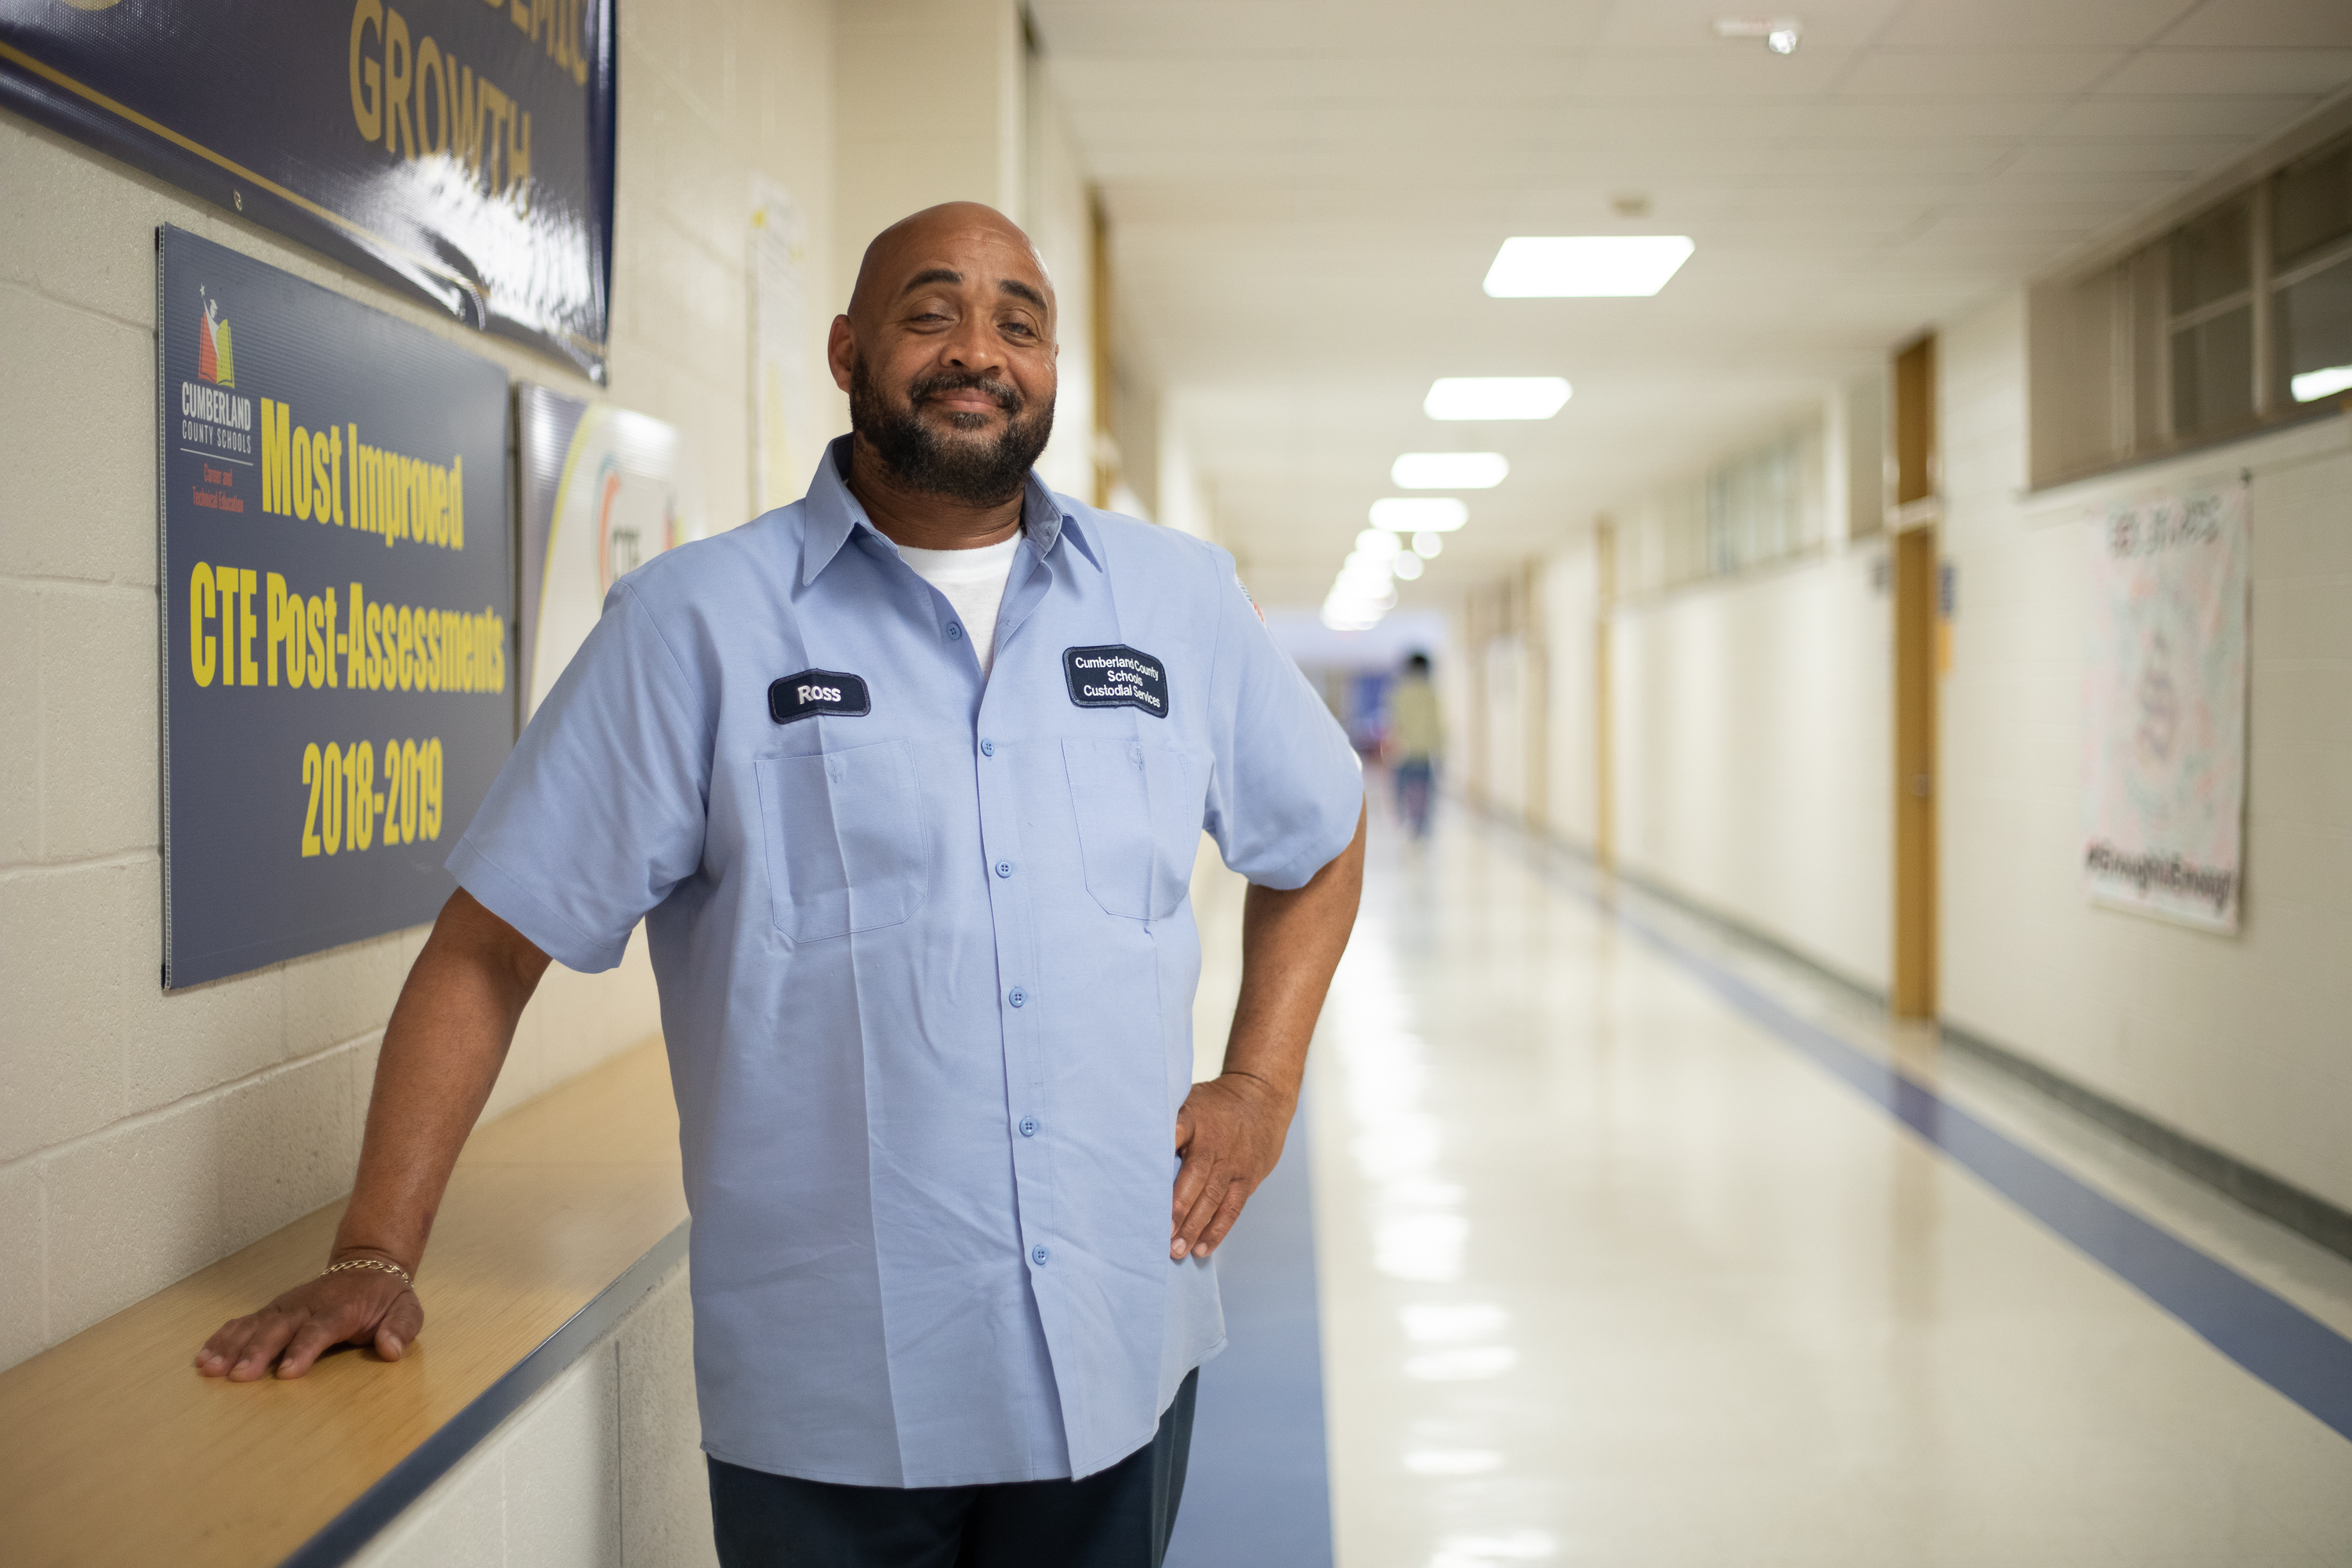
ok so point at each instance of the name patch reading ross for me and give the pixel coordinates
(1116, 676)
(814, 691)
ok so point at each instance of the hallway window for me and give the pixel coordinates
(2237, 320)
(1763, 506)
(1768, 504)
(2310, 218)
(2212, 307)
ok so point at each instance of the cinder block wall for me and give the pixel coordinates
(2239, 1041)
(1754, 732)
(1753, 762)
(143, 1135)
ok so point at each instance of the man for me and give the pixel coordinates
(1416, 736)
(911, 841)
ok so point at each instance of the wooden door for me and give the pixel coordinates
(1913, 994)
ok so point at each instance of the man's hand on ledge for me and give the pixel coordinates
(356, 1306)
(448, 1035)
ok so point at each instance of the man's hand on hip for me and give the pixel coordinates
(1230, 1128)
(1230, 1134)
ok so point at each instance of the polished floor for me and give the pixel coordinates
(1618, 1260)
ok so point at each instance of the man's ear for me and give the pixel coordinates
(841, 351)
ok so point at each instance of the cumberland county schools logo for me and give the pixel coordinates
(214, 362)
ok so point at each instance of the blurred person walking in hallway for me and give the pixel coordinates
(1416, 738)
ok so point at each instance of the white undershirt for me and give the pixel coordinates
(973, 582)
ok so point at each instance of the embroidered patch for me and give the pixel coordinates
(814, 691)
(1116, 676)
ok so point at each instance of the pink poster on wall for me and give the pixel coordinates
(2165, 708)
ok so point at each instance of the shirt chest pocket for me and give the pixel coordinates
(847, 847)
(1139, 809)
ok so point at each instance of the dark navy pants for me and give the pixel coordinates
(1117, 1518)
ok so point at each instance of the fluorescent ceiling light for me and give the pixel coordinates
(1586, 266)
(1450, 470)
(2313, 385)
(1377, 543)
(1406, 567)
(1495, 398)
(1428, 546)
(1419, 515)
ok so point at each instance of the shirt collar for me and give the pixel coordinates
(833, 514)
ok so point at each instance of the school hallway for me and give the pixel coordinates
(1637, 1245)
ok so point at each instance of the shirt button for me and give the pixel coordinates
(1018, 998)
(1037, 1255)
(1028, 1127)
(954, 631)
(1004, 867)
(987, 747)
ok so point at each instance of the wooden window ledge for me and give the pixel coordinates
(560, 1217)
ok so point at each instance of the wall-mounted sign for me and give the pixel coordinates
(2165, 708)
(604, 491)
(337, 575)
(463, 149)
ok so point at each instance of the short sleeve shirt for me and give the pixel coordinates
(926, 959)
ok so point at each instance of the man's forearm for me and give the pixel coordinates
(1230, 1130)
(442, 1051)
(1291, 943)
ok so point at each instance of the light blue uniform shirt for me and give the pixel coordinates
(925, 957)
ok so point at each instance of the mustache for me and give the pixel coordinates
(926, 387)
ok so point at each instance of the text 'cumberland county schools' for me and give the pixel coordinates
(1116, 676)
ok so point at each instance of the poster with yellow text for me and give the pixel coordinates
(338, 594)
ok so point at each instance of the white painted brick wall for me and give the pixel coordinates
(2240, 1041)
(1753, 754)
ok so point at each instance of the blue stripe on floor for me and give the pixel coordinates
(2272, 1338)
(1258, 1492)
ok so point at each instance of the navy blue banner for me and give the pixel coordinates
(463, 149)
(338, 651)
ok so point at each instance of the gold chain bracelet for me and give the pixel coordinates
(376, 1263)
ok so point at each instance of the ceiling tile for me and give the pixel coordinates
(1989, 115)
(1690, 24)
(1886, 73)
(1129, 29)
(1708, 73)
(2206, 71)
(1390, 77)
(2183, 155)
(2065, 24)
(1929, 156)
(2288, 24)
(2103, 114)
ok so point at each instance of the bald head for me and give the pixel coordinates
(949, 239)
(948, 355)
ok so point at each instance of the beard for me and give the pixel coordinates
(979, 472)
